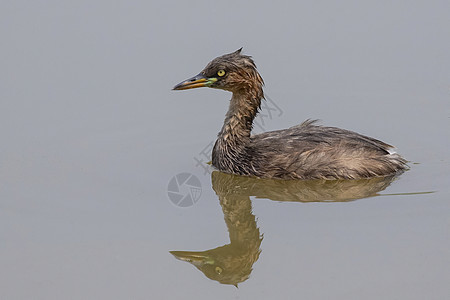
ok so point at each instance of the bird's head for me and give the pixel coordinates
(233, 72)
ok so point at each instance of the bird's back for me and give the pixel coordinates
(310, 151)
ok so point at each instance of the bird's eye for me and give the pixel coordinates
(221, 73)
(218, 270)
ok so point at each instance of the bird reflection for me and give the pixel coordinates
(232, 263)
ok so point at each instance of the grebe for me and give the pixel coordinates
(305, 151)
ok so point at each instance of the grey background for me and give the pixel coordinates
(91, 134)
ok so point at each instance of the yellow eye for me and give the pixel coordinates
(218, 270)
(221, 73)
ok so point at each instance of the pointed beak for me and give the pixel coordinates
(195, 258)
(195, 82)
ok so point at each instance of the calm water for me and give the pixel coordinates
(92, 135)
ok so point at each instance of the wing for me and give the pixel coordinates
(312, 151)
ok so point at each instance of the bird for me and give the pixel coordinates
(305, 151)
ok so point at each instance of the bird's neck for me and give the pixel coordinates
(244, 106)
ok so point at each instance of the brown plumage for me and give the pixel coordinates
(305, 151)
(231, 263)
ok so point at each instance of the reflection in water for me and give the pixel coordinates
(232, 263)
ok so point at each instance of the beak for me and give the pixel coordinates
(195, 258)
(195, 82)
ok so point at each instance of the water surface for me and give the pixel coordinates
(92, 135)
